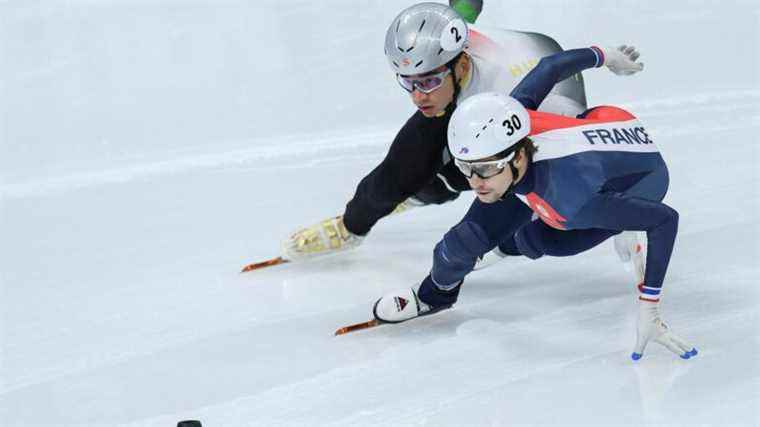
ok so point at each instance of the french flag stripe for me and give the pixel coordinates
(599, 56)
(647, 290)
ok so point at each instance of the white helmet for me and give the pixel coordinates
(423, 37)
(485, 125)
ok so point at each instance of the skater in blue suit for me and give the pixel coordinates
(585, 179)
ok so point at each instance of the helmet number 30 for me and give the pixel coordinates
(512, 124)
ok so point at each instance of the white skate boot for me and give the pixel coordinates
(399, 306)
(325, 237)
(330, 236)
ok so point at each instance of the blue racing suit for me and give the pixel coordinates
(591, 178)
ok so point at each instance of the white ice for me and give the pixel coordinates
(149, 149)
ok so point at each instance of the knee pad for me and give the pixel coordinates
(509, 247)
(462, 244)
(528, 241)
(455, 256)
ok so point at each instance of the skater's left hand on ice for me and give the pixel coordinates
(622, 60)
(652, 328)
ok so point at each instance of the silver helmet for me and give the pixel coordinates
(424, 37)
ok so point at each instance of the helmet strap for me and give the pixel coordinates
(451, 65)
(513, 184)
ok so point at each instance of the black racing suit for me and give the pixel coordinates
(417, 164)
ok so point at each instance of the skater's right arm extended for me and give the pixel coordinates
(412, 162)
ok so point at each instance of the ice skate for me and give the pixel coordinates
(325, 237)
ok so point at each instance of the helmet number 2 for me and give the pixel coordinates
(455, 32)
(512, 124)
(453, 36)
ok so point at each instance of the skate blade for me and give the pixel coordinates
(268, 263)
(358, 327)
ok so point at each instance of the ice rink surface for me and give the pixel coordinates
(149, 149)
